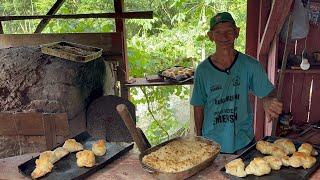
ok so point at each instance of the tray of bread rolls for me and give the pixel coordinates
(274, 158)
(77, 158)
(178, 74)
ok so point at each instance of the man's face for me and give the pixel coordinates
(224, 34)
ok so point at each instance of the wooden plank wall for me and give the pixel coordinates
(35, 124)
(297, 84)
(272, 75)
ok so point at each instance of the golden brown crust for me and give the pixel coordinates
(236, 168)
(46, 160)
(271, 149)
(176, 72)
(85, 158)
(307, 149)
(72, 145)
(60, 152)
(258, 167)
(287, 145)
(43, 166)
(275, 162)
(48, 155)
(285, 160)
(301, 159)
(99, 148)
(179, 155)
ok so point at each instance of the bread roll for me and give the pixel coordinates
(48, 155)
(72, 145)
(43, 166)
(166, 73)
(190, 71)
(287, 145)
(99, 148)
(236, 168)
(275, 162)
(60, 152)
(85, 158)
(285, 160)
(301, 159)
(308, 149)
(258, 167)
(271, 149)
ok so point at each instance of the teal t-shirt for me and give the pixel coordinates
(228, 115)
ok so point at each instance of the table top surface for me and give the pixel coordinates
(125, 167)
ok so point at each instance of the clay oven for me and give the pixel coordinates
(43, 98)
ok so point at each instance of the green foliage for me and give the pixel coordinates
(177, 32)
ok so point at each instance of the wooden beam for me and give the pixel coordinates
(124, 15)
(252, 27)
(265, 8)
(109, 42)
(52, 11)
(277, 16)
(123, 74)
(1, 28)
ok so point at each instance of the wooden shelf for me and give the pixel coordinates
(309, 71)
(144, 82)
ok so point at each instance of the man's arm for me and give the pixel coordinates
(272, 106)
(198, 118)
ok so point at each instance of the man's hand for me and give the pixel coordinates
(272, 107)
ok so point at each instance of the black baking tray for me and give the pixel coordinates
(284, 173)
(179, 80)
(66, 168)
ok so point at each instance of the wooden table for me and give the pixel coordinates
(126, 167)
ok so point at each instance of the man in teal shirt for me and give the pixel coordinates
(222, 84)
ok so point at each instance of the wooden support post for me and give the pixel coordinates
(1, 28)
(276, 18)
(50, 131)
(52, 11)
(252, 27)
(282, 72)
(123, 70)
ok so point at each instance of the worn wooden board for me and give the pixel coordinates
(272, 75)
(110, 42)
(287, 92)
(299, 102)
(32, 123)
(315, 100)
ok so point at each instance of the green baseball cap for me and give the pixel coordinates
(221, 17)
